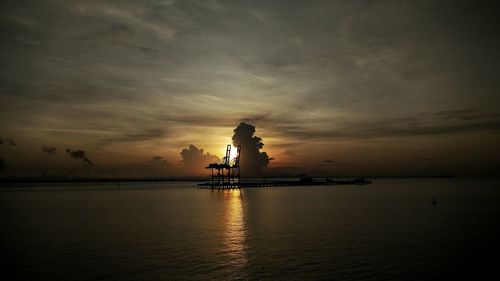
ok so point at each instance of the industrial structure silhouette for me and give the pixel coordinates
(226, 173)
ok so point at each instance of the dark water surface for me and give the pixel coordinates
(165, 231)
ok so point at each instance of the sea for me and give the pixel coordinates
(388, 230)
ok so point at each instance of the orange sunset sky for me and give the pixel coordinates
(398, 88)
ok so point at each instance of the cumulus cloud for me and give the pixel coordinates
(252, 159)
(49, 150)
(194, 159)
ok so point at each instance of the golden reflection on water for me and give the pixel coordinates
(235, 234)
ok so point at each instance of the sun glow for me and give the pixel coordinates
(235, 228)
(234, 152)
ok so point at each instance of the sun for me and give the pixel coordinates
(234, 152)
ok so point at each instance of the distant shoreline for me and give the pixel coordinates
(186, 179)
(83, 180)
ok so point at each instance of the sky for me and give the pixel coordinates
(396, 88)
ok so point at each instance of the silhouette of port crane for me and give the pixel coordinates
(226, 173)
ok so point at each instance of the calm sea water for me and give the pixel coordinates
(166, 231)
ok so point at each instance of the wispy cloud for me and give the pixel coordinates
(105, 75)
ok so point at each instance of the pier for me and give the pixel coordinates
(209, 185)
(226, 175)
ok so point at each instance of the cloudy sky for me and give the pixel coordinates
(353, 87)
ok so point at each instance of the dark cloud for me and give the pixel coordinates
(424, 159)
(468, 114)
(120, 28)
(195, 160)
(454, 113)
(139, 135)
(114, 31)
(2, 164)
(257, 118)
(116, 34)
(49, 150)
(417, 124)
(7, 141)
(98, 73)
(331, 163)
(80, 154)
(420, 125)
(252, 159)
(150, 52)
(159, 161)
(191, 119)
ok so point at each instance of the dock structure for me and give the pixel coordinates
(226, 173)
(252, 184)
(283, 184)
